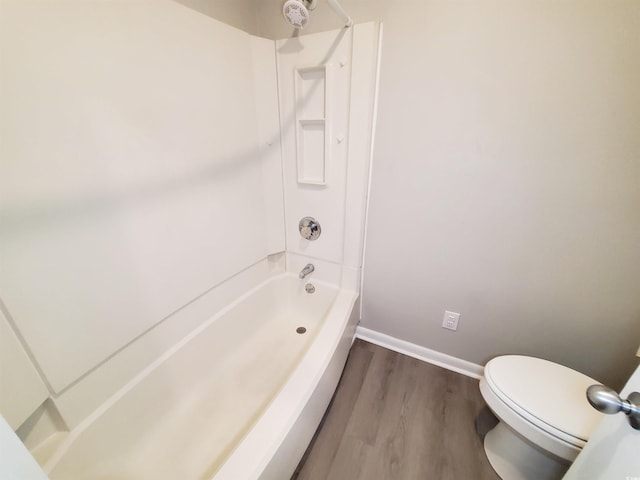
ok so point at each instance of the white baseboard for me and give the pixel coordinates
(421, 353)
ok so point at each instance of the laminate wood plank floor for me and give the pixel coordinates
(396, 418)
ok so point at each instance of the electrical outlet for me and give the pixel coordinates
(450, 320)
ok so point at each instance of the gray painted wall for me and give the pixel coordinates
(506, 181)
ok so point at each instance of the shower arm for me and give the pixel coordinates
(336, 7)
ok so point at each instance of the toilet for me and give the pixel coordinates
(545, 418)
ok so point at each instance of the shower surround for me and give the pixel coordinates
(150, 179)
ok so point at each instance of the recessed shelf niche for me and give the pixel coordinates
(312, 124)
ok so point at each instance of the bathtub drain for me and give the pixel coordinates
(301, 330)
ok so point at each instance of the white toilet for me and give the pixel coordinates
(545, 418)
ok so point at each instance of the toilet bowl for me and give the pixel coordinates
(545, 418)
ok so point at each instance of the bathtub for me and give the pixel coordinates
(239, 398)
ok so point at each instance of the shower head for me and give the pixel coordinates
(296, 12)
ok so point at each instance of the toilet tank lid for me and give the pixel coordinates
(553, 394)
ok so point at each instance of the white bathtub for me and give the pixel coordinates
(239, 398)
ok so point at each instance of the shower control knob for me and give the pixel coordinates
(309, 228)
(606, 400)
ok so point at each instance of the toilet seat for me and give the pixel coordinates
(543, 401)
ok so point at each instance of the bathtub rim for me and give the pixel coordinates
(253, 456)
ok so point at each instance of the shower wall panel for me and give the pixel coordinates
(327, 88)
(131, 179)
(314, 119)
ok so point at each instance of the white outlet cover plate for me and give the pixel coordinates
(450, 320)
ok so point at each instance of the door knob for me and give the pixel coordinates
(606, 400)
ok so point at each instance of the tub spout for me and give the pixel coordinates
(306, 270)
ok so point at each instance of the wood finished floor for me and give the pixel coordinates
(397, 418)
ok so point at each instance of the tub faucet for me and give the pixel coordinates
(306, 270)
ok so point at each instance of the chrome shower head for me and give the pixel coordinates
(296, 12)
